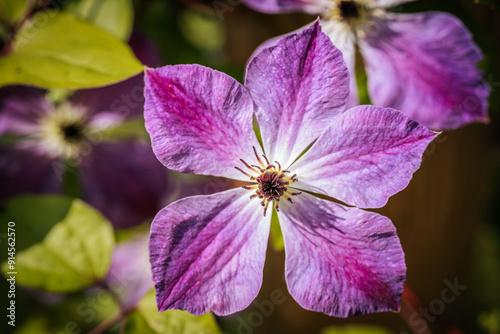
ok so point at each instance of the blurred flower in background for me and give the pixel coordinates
(90, 145)
(129, 276)
(422, 64)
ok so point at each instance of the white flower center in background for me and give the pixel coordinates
(64, 131)
(354, 15)
(272, 182)
(351, 12)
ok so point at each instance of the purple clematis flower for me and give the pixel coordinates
(207, 252)
(122, 178)
(422, 64)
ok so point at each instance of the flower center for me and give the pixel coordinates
(64, 131)
(349, 9)
(72, 132)
(353, 13)
(271, 182)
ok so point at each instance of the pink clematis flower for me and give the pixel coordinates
(207, 252)
(422, 64)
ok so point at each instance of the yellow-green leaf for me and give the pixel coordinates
(114, 16)
(146, 319)
(204, 31)
(34, 216)
(130, 129)
(13, 11)
(74, 254)
(58, 50)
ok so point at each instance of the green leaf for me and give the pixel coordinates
(146, 319)
(276, 235)
(114, 16)
(58, 95)
(13, 11)
(58, 50)
(74, 254)
(34, 216)
(355, 329)
(204, 31)
(34, 325)
(490, 321)
(131, 129)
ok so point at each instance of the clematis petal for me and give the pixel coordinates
(386, 3)
(200, 120)
(425, 65)
(367, 155)
(124, 181)
(300, 85)
(343, 38)
(20, 109)
(207, 252)
(129, 276)
(25, 171)
(341, 261)
(284, 6)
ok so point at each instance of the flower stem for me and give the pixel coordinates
(108, 324)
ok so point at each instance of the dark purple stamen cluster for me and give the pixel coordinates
(271, 184)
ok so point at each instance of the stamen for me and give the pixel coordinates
(257, 156)
(266, 159)
(253, 169)
(272, 182)
(265, 208)
(260, 169)
(250, 176)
